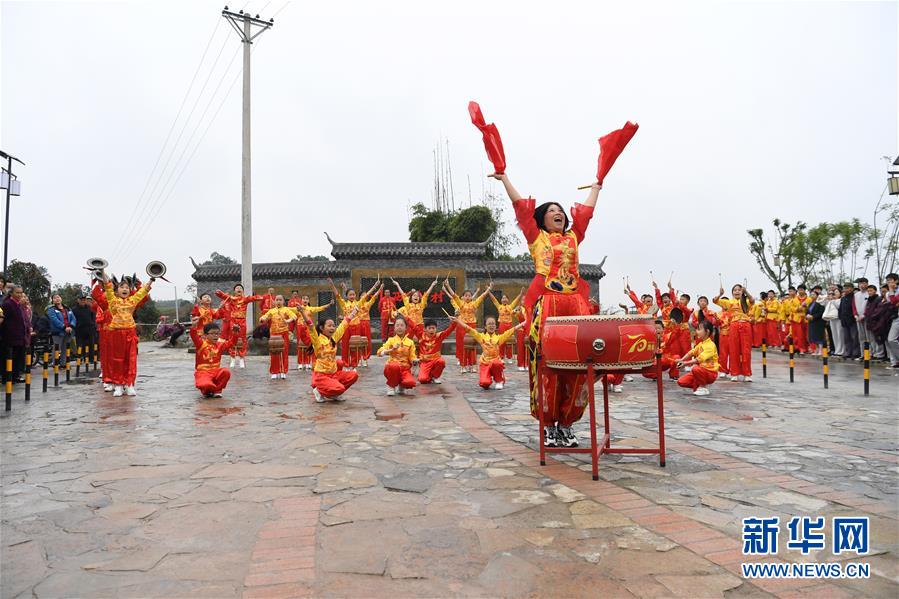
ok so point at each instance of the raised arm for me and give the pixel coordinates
(371, 291)
(510, 189)
(593, 195)
(480, 298)
(494, 300)
(462, 324)
(398, 288)
(514, 302)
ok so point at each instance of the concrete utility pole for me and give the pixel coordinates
(248, 28)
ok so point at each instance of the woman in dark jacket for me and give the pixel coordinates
(16, 332)
(816, 324)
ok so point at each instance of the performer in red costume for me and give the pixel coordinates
(466, 307)
(386, 306)
(122, 344)
(205, 312)
(557, 290)
(431, 362)
(305, 346)
(279, 319)
(643, 304)
(521, 352)
(414, 304)
(506, 318)
(329, 381)
(238, 314)
(740, 334)
(209, 377)
(104, 317)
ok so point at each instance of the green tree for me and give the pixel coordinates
(428, 225)
(216, 259)
(70, 292)
(473, 224)
(148, 314)
(307, 258)
(34, 282)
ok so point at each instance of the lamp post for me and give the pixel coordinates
(13, 187)
(893, 180)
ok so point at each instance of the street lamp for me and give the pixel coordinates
(893, 180)
(13, 187)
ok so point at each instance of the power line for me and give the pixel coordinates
(169, 135)
(145, 209)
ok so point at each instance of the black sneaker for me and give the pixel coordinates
(566, 437)
(550, 438)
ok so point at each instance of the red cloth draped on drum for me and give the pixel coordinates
(555, 260)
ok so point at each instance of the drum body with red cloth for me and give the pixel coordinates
(609, 342)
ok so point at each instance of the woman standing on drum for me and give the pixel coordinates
(556, 290)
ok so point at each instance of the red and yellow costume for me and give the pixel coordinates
(705, 371)
(723, 320)
(638, 303)
(413, 312)
(467, 313)
(358, 326)
(795, 309)
(387, 307)
(669, 357)
(278, 323)
(268, 302)
(305, 347)
(209, 376)
(328, 375)
(679, 337)
(122, 332)
(505, 320)
(206, 314)
(492, 367)
(431, 363)
(398, 370)
(556, 290)
(104, 317)
(773, 321)
(739, 336)
(237, 315)
(520, 338)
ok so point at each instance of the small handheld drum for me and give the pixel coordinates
(611, 342)
(358, 342)
(275, 345)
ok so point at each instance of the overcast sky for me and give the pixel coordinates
(747, 111)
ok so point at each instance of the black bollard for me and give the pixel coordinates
(867, 367)
(46, 371)
(824, 352)
(792, 361)
(764, 359)
(28, 375)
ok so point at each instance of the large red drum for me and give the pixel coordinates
(611, 342)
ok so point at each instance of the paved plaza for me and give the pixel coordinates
(266, 494)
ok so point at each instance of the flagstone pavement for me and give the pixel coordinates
(266, 494)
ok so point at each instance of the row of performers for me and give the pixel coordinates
(412, 344)
(743, 322)
(281, 317)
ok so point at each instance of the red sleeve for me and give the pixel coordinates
(195, 311)
(442, 336)
(100, 297)
(226, 344)
(658, 297)
(195, 337)
(142, 302)
(580, 220)
(221, 294)
(673, 296)
(524, 214)
(854, 309)
(635, 299)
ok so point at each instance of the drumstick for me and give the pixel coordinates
(582, 187)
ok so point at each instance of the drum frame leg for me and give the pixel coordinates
(604, 445)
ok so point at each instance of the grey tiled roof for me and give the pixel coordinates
(344, 251)
(524, 268)
(273, 270)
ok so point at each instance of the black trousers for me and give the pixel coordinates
(850, 341)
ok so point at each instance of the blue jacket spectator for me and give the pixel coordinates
(62, 327)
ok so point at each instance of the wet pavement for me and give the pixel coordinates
(266, 494)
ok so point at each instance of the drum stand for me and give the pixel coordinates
(605, 446)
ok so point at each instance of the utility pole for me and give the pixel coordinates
(248, 28)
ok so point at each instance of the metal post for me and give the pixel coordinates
(177, 316)
(792, 361)
(78, 362)
(28, 375)
(824, 352)
(46, 371)
(96, 357)
(8, 378)
(867, 367)
(764, 358)
(68, 364)
(56, 367)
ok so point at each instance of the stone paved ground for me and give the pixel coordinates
(266, 494)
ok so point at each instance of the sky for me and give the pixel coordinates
(747, 111)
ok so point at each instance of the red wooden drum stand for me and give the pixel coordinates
(607, 345)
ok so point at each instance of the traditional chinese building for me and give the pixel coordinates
(412, 264)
